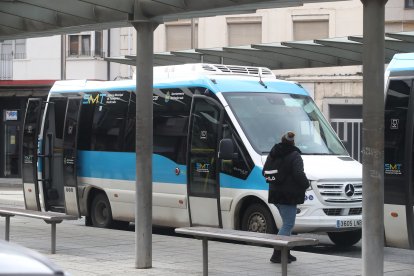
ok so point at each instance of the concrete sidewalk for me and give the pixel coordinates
(83, 251)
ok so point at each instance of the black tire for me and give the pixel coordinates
(257, 218)
(120, 225)
(345, 239)
(101, 212)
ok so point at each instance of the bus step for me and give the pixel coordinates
(59, 209)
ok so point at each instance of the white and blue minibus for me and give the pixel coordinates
(398, 152)
(79, 152)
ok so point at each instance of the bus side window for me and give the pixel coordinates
(85, 126)
(241, 166)
(109, 121)
(171, 110)
(129, 141)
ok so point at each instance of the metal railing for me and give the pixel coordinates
(76, 54)
(6, 67)
(350, 133)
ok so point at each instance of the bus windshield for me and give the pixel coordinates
(265, 117)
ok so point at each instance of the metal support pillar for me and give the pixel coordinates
(144, 133)
(53, 241)
(193, 34)
(7, 233)
(63, 57)
(284, 251)
(373, 138)
(205, 256)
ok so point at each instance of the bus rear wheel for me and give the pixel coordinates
(101, 212)
(345, 239)
(257, 218)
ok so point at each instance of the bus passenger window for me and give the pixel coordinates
(108, 120)
(129, 140)
(171, 110)
(85, 127)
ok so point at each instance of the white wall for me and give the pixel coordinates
(345, 19)
(42, 60)
(395, 11)
(86, 68)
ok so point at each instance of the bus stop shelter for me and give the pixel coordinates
(329, 52)
(38, 18)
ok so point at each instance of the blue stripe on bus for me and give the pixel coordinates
(121, 166)
(255, 181)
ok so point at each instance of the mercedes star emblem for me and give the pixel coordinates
(349, 190)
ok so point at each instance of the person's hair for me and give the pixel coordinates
(289, 138)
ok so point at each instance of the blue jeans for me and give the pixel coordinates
(288, 214)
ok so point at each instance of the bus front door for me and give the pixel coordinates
(203, 187)
(30, 151)
(399, 163)
(51, 182)
(70, 134)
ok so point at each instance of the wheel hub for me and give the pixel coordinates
(257, 223)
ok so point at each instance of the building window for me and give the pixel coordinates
(86, 45)
(20, 49)
(79, 45)
(244, 30)
(6, 48)
(14, 48)
(178, 35)
(409, 4)
(310, 27)
(98, 43)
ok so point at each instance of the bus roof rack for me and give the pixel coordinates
(211, 69)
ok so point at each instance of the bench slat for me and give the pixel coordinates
(49, 216)
(244, 236)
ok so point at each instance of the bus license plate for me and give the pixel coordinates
(348, 223)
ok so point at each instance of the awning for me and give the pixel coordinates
(285, 55)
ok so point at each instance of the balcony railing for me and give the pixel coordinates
(94, 54)
(6, 67)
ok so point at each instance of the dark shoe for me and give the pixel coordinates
(291, 258)
(277, 258)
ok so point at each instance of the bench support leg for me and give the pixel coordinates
(7, 233)
(53, 241)
(284, 260)
(205, 257)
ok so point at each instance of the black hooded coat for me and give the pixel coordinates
(292, 189)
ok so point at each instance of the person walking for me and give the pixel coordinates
(287, 184)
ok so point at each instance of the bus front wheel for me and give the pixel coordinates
(345, 239)
(101, 213)
(257, 218)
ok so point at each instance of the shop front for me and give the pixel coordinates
(13, 99)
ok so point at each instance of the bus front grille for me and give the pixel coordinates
(342, 211)
(350, 192)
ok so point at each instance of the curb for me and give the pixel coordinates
(11, 183)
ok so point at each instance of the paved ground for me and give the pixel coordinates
(87, 251)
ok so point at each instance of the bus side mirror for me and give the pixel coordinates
(226, 150)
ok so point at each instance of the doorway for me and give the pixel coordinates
(10, 163)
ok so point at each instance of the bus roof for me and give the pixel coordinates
(402, 62)
(217, 78)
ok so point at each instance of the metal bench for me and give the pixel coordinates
(283, 243)
(51, 218)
